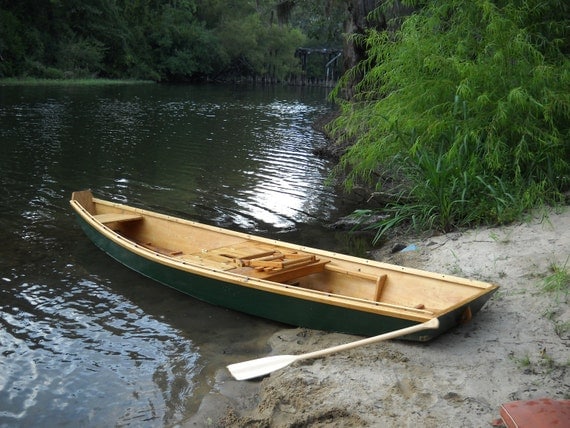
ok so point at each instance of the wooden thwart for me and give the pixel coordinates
(117, 218)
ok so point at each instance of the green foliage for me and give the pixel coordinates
(20, 51)
(280, 44)
(471, 99)
(34, 81)
(182, 46)
(321, 21)
(257, 49)
(11, 44)
(147, 39)
(80, 57)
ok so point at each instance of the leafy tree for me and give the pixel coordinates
(161, 40)
(11, 45)
(321, 21)
(257, 49)
(181, 44)
(24, 47)
(80, 57)
(469, 101)
(88, 36)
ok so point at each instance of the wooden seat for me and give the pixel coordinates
(117, 217)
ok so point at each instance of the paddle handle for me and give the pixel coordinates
(431, 324)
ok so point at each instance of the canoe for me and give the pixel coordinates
(284, 282)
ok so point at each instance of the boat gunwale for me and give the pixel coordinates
(354, 303)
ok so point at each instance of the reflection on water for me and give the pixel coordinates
(86, 342)
(59, 348)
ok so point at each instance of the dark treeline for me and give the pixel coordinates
(176, 40)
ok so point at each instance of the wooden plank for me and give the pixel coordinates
(281, 261)
(273, 256)
(380, 286)
(117, 217)
(352, 272)
(161, 250)
(245, 260)
(299, 260)
(244, 252)
(293, 273)
(207, 262)
(85, 199)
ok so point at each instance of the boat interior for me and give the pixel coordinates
(423, 293)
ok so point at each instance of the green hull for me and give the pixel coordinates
(285, 309)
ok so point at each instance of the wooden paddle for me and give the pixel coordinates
(262, 366)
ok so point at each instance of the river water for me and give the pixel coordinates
(84, 341)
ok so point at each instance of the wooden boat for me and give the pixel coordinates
(280, 281)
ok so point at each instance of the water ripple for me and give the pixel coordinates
(63, 347)
(84, 342)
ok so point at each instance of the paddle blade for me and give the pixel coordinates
(260, 367)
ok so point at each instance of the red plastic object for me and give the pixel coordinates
(540, 413)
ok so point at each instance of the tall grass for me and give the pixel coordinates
(471, 100)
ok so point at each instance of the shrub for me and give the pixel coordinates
(79, 57)
(471, 99)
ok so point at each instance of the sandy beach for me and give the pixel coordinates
(516, 348)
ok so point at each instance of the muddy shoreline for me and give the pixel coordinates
(516, 348)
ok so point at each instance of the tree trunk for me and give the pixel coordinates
(359, 20)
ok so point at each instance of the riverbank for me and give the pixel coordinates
(33, 81)
(516, 348)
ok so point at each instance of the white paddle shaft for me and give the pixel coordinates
(262, 366)
(431, 324)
